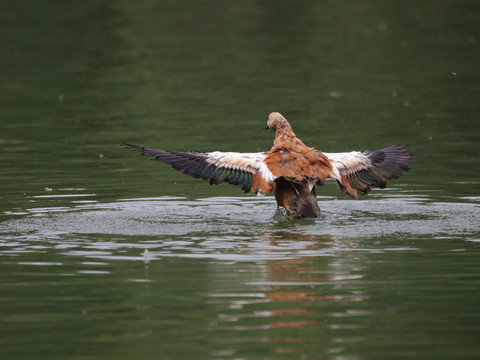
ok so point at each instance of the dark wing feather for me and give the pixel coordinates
(366, 169)
(200, 165)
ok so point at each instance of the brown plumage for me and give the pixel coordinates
(291, 169)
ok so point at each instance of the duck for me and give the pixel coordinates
(291, 169)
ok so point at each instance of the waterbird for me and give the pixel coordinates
(291, 169)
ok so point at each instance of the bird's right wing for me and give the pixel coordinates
(245, 169)
(361, 170)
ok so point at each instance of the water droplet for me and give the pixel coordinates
(146, 256)
(335, 94)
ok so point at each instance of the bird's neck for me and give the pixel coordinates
(284, 135)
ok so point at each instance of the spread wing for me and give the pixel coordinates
(245, 169)
(362, 170)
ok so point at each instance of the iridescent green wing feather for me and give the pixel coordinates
(198, 165)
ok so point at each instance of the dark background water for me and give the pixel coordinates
(105, 255)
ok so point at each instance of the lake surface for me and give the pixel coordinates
(107, 255)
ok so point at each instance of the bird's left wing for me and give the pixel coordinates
(245, 169)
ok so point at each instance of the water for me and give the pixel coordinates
(105, 255)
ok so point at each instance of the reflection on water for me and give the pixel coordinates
(290, 307)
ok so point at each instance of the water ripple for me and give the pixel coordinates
(230, 228)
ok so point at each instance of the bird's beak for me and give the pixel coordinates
(265, 127)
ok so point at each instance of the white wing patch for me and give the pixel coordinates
(250, 162)
(349, 162)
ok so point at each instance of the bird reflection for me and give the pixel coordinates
(292, 293)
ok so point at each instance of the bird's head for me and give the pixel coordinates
(276, 121)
